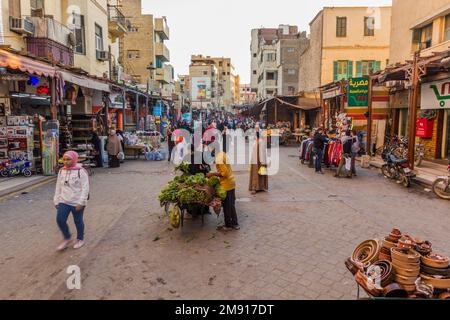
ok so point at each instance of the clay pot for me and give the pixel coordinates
(405, 280)
(407, 256)
(394, 290)
(388, 244)
(436, 282)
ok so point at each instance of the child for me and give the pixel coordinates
(71, 195)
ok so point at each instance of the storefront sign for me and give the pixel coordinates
(331, 93)
(424, 128)
(435, 95)
(358, 92)
(13, 77)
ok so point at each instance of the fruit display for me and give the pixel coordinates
(400, 266)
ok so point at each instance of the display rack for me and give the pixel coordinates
(82, 126)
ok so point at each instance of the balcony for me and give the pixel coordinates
(161, 28)
(51, 40)
(117, 24)
(164, 74)
(162, 52)
(271, 83)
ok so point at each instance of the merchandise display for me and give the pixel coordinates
(400, 266)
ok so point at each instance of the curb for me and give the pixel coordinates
(25, 186)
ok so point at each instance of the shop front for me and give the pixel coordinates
(333, 102)
(433, 123)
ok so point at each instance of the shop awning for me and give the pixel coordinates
(303, 103)
(84, 81)
(25, 64)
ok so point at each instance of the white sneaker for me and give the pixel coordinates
(78, 244)
(64, 245)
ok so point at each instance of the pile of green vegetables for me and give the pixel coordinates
(192, 189)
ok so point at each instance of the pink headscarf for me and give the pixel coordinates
(74, 156)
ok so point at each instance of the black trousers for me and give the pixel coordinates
(229, 209)
(114, 162)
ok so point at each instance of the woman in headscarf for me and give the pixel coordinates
(97, 146)
(259, 181)
(114, 147)
(71, 196)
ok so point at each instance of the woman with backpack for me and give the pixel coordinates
(71, 196)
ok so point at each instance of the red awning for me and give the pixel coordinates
(25, 64)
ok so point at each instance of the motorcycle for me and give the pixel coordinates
(397, 169)
(441, 187)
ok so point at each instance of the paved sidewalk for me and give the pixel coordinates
(426, 173)
(17, 184)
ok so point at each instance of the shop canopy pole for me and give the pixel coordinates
(124, 115)
(53, 109)
(137, 112)
(146, 113)
(369, 118)
(413, 110)
(105, 119)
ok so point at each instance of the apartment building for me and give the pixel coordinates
(275, 60)
(204, 82)
(145, 55)
(227, 78)
(247, 96)
(345, 42)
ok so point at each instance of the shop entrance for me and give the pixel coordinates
(448, 134)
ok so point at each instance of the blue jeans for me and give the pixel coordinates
(319, 156)
(62, 215)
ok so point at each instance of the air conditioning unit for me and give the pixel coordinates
(21, 25)
(102, 55)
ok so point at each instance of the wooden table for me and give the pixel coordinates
(134, 151)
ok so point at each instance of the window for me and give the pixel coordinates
(132, 28)
(291, 89)
(37, 8)
(254, 55)
(205, 73)
(133, 54)
(80, 42)
(14, 8)
(369, 26)
(423, 37)
(341, 26)
(291, 72)
(271, 57)
(363, 67)
(220, 63)
(270, 76)
(228, 73)
(98, 38)
(290, 50)
(447, 28)
(159, 62)
(228, 64)
(342, 70)
(254, 71)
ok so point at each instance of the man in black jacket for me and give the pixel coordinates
(319, 143)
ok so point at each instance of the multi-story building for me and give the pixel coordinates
(204, 81)
(275, 60)
(145, 55)
(247, 95)
(226, 76)
(345, 42)
(424, 26)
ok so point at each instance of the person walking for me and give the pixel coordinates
(346, 143)
(259, 180)
(319, 141)
(356, 147)
(170, 142)
(228, 183)
(95, 140)
(114, 147)
(71, 196)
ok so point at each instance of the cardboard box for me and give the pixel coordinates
(13, 120)
(3, 122)
(3, 153)
(3, 132)
(24, 155)
(19, 132)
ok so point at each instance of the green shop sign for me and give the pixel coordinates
(358, 92)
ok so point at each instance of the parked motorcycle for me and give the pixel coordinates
(441, 187)
(397, 169)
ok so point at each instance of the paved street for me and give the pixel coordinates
(292, 243)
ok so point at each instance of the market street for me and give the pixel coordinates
(292, 243)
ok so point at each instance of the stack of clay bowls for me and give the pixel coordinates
(389, 242)
(366, 253)
(435, 270)
(406, 263)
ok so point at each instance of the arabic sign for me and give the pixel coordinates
(358, 92)
(435, 95)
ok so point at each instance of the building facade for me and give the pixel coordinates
(204, 84)
(247, 95)
(424, 27)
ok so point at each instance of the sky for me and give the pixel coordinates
(223, 27)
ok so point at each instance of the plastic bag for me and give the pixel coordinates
(121, 156)
(348, 164)
(262, 171)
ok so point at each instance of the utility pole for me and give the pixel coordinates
(413, 110)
